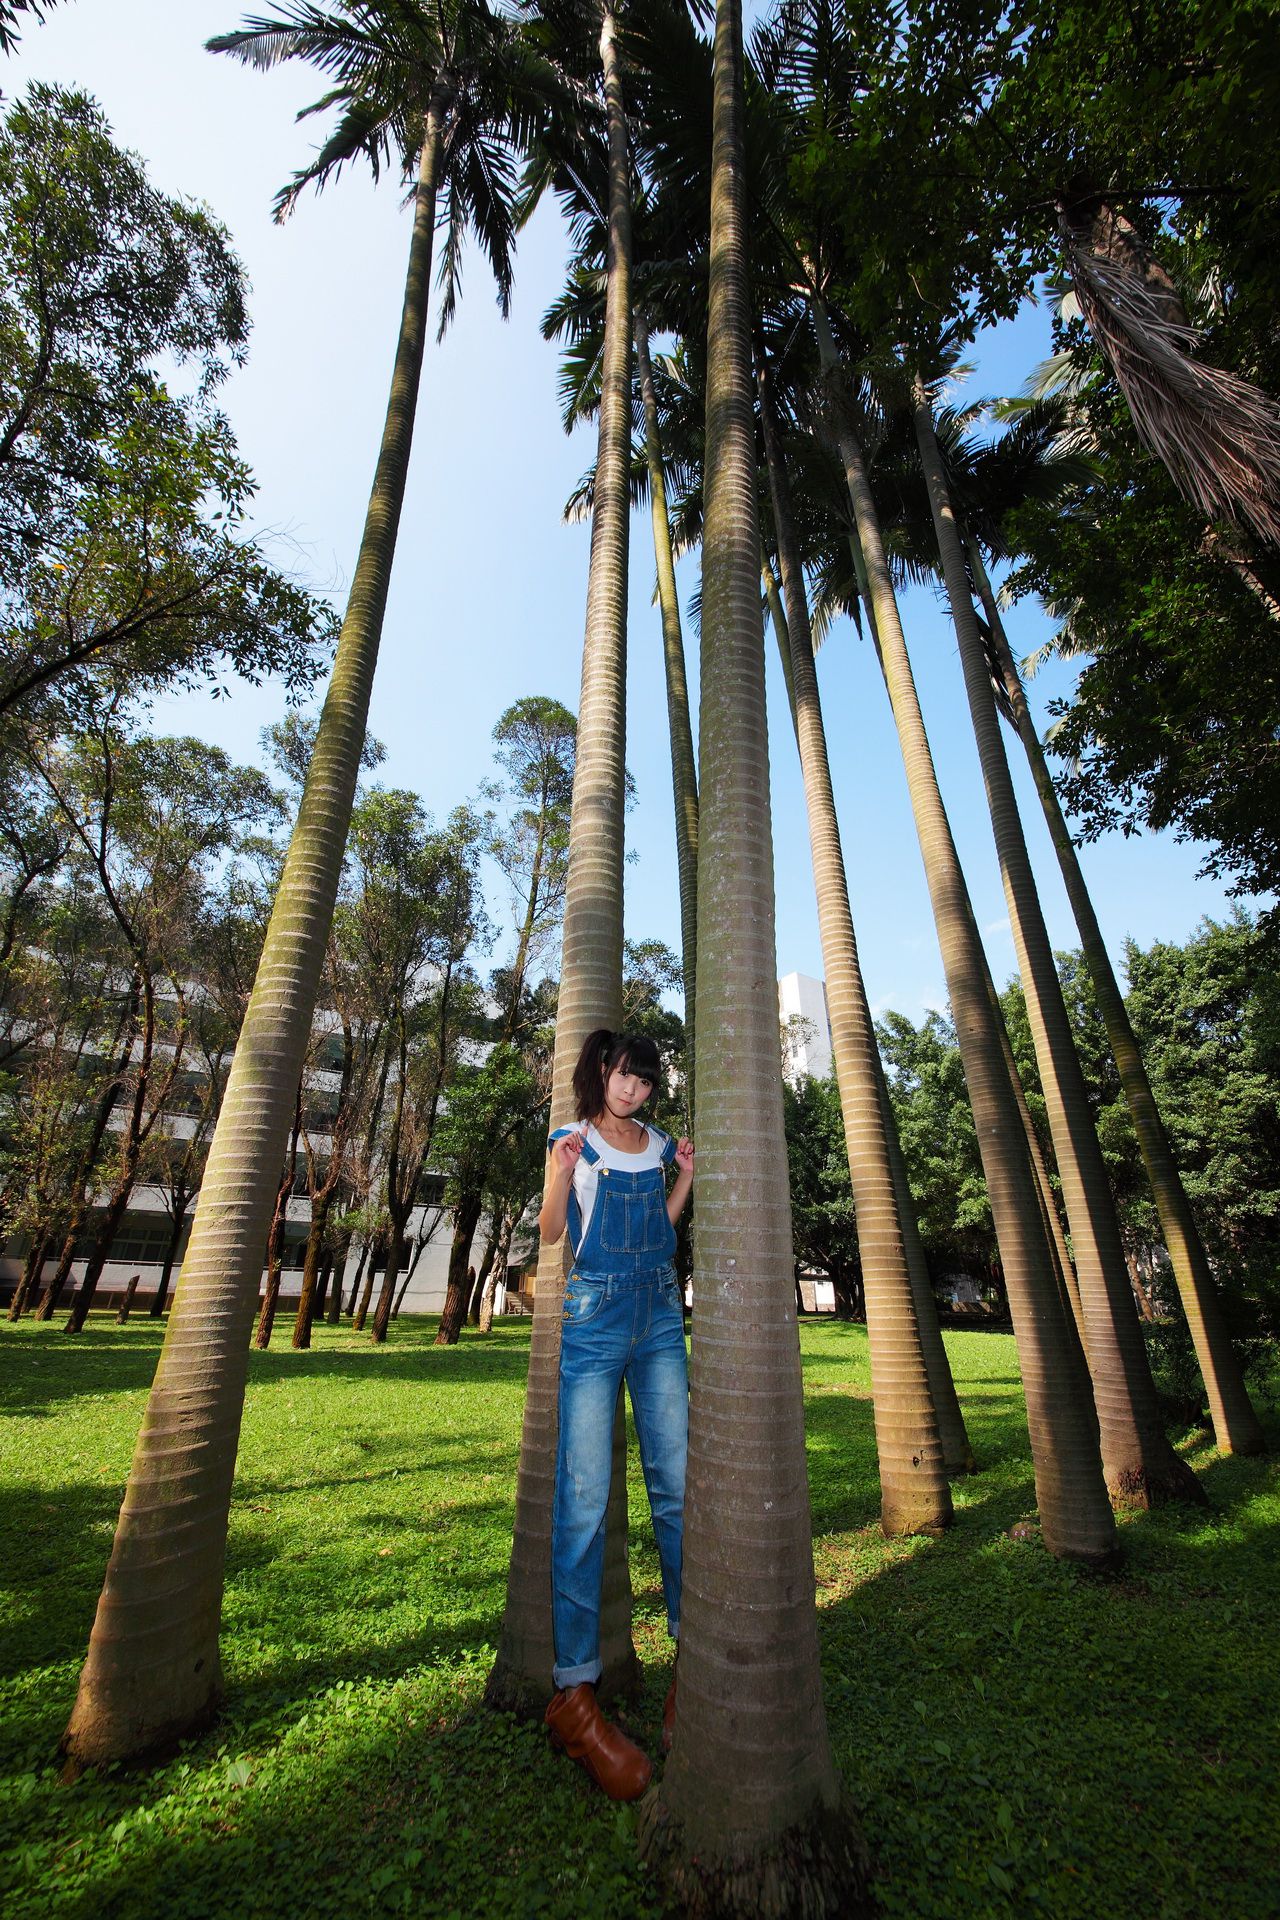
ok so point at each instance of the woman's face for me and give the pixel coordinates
(625, 1092)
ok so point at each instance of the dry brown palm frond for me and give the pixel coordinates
(1218, 436)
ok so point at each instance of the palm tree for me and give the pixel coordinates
(914, 1492)
(447, 90)
(1075, 1512)
(1235, 1424)
(1140, 1465)
(591, 951)
(750, 1789)
(684, 777)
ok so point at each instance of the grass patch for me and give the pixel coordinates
(1022, 1738)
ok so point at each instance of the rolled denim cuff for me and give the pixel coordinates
(574, 1676)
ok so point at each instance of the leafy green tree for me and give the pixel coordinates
(150, 818)
(823, 1227)
(535, 741)
(940, 1145)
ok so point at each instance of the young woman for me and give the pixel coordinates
(623, 1320)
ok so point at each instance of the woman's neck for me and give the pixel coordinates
(622, 1130)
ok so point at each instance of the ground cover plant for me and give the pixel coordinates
(1022, 1738)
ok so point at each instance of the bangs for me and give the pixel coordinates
(637, 1054)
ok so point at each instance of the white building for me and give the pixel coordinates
(806, 1027)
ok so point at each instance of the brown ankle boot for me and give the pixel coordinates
(615, 1763)
(669, 1717)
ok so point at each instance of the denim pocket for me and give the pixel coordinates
(583, 1299)
(615, 1220)
(672, 1291)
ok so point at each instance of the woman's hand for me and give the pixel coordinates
(567, 1153)
(682, 1185)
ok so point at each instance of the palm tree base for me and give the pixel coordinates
(928, 1511)
(1143, 1486)
(105, 1730)
(820, 1868)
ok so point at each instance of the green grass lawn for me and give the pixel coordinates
(1021, 1738)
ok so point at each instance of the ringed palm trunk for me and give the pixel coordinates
(749, 1817)
(153, 1672)
(590, 985)
(957, 1454)
(1075, 1513)
(1064, 1272)
(1141, 1467)
(915, 1496)
(1235, 1424)
(684, 778)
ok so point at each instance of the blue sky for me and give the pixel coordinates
(489, 590)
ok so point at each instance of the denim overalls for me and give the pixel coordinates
(623, 1320)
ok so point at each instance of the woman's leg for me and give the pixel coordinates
(658, 1382)
(593, 1352)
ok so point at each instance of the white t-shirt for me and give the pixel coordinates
(586, 1178)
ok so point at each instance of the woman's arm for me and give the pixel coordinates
(555, 1200)
(682, 1185)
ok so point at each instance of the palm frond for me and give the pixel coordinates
(1217, 435)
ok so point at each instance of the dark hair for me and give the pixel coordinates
(602, 1052)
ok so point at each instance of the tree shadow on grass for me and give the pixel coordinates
(41, 1367)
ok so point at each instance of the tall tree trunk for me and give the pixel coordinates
(358, 1317)
(366, 1248)
(915, 1496)
(458, 1290)
(1141, 1467)
(122, 1046)
(684, 778)
(395, 1260)
(308, 1299)
(153, 1672)
(340, 1255)
(29, 1282)
(275, 1237)
(160, 1299)
(486, 1268)
(749, 1816)
(1076, 1515)
(590, 981)
(1235, 1423)
(126, 1305)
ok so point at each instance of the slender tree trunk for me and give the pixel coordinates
(324, 1274)
(915, 1496)
(748, 1818)
(590, 980)
(1140, 1465)
(1076, 1515)
(275, 1236)
(361, 1263)
(341, 1251)
(457, 1290)
(160, 1299)
(497, 1272)
(30, 1280)
(486, 1268)
(358, 1318)
(684, 778)
(123, 1045)
(395, 1260)
(153, 1672)
(1235, 1423)
(126, 1305)
(308, 1300)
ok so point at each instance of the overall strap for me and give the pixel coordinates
(589, 1154)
